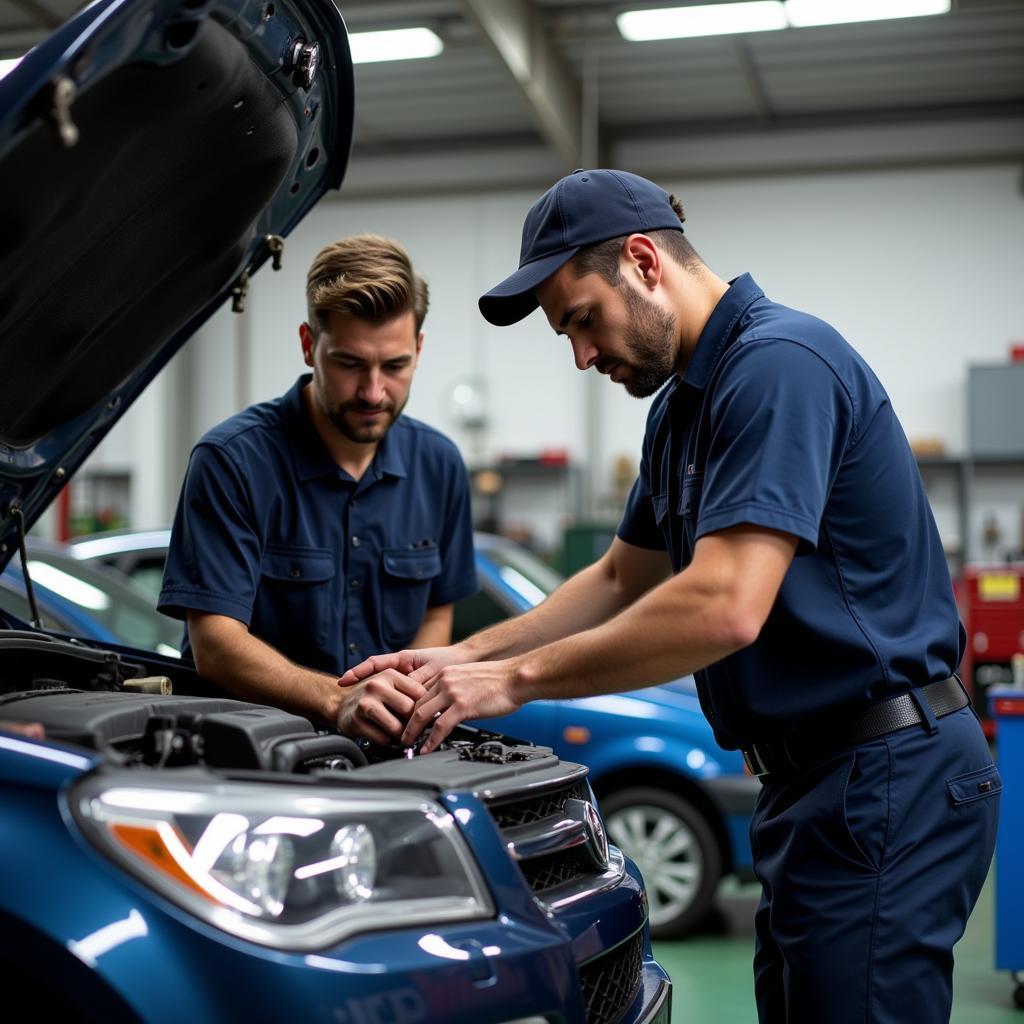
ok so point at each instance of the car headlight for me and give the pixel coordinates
(288, 867)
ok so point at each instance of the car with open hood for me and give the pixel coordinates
(169, 853)
(672, 798)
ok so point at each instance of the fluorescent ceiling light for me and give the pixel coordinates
(394, 44)
(765, 15)
(8, 64)
(801, 13)
(704, 20)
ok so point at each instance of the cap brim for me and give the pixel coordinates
(508, 302)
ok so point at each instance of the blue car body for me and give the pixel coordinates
(93, 942)
(658, 734)
(185, 856)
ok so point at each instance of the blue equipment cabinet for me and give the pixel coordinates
(1007, 706)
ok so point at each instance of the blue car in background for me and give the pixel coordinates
(170, 854)
(78, 599)
(673, 800)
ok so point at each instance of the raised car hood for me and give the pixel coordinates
(151, 154)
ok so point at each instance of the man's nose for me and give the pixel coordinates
(371, 387)
(585, 354)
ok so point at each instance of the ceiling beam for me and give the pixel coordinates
(38, 13)
(516, 32)
(758, 96)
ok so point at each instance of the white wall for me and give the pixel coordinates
(920, 268)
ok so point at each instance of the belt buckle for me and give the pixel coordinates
(754, 762)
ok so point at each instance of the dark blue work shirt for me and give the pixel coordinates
(779, 423)
(270, 531)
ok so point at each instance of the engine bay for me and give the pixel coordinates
(105, 702)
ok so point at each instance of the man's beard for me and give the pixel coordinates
(362, 433)
(650, 338)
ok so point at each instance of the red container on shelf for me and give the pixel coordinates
(991, 599)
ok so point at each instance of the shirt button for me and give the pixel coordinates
(296, 572)
(353, 503)
(356, 542)
(352, 648)
(353, 584)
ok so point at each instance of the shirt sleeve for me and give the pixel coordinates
(781, 421)
(213, 561)
(457, 578)
(638, 525)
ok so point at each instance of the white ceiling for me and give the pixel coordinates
(964, 65)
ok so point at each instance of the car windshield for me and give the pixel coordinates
(108, 598)
(523, 571)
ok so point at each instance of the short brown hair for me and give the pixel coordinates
(602, 258)
(365, 276)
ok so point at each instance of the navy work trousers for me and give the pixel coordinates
(871, 863)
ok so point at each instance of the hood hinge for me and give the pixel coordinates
(64, 93)
(275, 246)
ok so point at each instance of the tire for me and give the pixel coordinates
(675, 848)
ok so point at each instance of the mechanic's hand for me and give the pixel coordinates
(483, 689)
(419, 665)
(378, 707)
(33, 730)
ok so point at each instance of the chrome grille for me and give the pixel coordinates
(611, 981)
(556, 869)
(532, 827)
(534, 808)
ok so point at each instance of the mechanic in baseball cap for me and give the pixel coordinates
(779, 545)
(584, 208)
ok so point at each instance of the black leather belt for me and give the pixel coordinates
(814, 742)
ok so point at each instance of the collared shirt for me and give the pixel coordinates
(326, 569)
(777, 422)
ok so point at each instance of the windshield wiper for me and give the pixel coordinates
(18, 516)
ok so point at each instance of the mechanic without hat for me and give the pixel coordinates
(319, 527)
(777, 543)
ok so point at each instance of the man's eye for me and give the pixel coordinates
(584, 320)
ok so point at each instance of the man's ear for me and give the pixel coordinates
(308, 339)
(419, 344)
(641, 258)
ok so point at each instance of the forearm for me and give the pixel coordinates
(250, 669)
(582, 602)
(674, 630)
(436, 628)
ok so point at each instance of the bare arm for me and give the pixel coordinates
(436, 628)
(227, 653)
(585, 600)
(715, 607)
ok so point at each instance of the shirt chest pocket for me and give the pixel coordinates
(689, 495)
(407, 576)
(295, 596)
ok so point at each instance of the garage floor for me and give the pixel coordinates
(712, 978)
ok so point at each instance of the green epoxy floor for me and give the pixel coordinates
(713, 983)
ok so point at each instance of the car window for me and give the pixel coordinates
(149, 575)
(476, 612)
(17, 604)
(523, 571)
(125, 610)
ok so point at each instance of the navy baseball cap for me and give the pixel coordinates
(584, 208)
